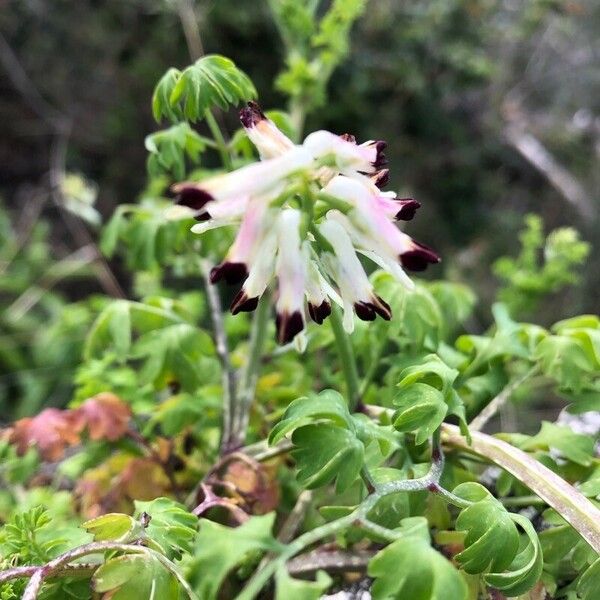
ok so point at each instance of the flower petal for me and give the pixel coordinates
(250, 180)
(263, 133)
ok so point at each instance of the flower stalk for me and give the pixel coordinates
(346, 358)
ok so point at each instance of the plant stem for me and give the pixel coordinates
(219, 139)
(228, 376)
(60, 566)
(346, 355)
(358, 517)
(251, 371)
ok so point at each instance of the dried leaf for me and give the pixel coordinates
(106, 417)
(51, 432)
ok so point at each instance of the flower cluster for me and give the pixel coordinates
(303, 213)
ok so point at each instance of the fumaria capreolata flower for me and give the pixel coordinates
(303, 213)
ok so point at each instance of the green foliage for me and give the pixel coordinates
(492, 539)
(587, 586)
(212, 81)
(299, 589)
(21, 537)
(327, 406)
(426, 396)
(169, 347)
(115, 527)
(169, 148)
(411, 568)
(324, 454)
(135, 576)
(220, 549)
(425, 365)
(576, 447)
(315, 47)
(526, 568)
(172, 528)
(527, 279)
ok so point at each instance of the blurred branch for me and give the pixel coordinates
(330, 560)
(62, 126)
(531, 148)
(21, 81)
(57, 272)
(189, 23)
(229, 388)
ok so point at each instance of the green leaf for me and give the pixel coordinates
(161, 105)
(172, 528)
(211, 81)
(114, 527)
(509, 339)
(564, 359)
(368, 431)
(589, 583)
(324, 453)
(492, 540)
(576, 447)
(287, 588)
(526, 568)
(411, 568)
(112, 329)
(421, 409)
(219, 549)
(112, 231)
(432, 371)
(557, 542)
(168, 150)
(142, 577)
(173, 353)
(328, 405)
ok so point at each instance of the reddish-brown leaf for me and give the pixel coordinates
(106, 417)
(52, 431)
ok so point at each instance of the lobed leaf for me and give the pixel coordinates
(324, 453)
(138, 576)
(211, 81)
(492, 540)
(287, 587)
(219, 549)
(172, 528)
(327, 406)
(411, 568)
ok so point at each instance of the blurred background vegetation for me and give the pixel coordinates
(491, 110)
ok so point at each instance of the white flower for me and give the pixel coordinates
(313, 259)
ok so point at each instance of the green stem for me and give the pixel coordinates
(219, 140)
(346, 355)
(250, 374)
(358, 517)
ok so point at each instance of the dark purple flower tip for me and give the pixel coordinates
(364, 311)
(348, 137)
(380, 159)
(288, 326)
(191, 196)
(241, 303)
(408, 208)
(382, 308)
(419, 257)
(251, 115)
(319, 313)
(381, 178)
(231, 272)
(367, 311)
